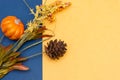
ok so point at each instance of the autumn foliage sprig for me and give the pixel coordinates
(9, 55)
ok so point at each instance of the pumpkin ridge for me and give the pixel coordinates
(17, 32)
(12, 27)
(8, 33)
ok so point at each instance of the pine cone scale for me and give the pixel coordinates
(55, 49)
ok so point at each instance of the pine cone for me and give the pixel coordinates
(55, 49)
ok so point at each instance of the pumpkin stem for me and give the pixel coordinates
(1, 38)
(17, 21)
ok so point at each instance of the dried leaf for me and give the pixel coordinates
(4, 71)
(19, 66)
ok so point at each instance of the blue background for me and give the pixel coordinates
(19, 9)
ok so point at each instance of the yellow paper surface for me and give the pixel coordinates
(91, 28)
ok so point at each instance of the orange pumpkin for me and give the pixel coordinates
(12, 27)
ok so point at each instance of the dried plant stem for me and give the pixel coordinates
(10, 50)
(9, 56)
(34, 55)
(16, 46)
(39, 42)
(22, 41)
(31, 10)
(34, 44)
(26, 4)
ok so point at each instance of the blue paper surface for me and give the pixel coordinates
(19, 9)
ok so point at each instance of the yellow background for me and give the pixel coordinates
(91, 28)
